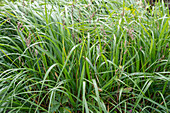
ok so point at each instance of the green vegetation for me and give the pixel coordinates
(72, 56)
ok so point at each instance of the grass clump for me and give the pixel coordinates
(84, 56)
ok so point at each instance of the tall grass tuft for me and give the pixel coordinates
(77, 56)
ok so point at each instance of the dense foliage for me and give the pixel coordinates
(77, 56)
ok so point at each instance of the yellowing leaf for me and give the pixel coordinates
(127, 9)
